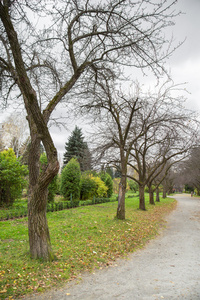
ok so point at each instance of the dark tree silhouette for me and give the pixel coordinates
(78, 148)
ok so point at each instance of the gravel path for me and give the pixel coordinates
(168, 268)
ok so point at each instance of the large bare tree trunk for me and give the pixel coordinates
(39, 238)
(142, 198)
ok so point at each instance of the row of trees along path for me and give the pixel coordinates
(145, 132)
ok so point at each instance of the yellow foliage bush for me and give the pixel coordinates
(101, 188)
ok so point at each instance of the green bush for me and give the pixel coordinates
(51, 207)
(101, 200)
(88, 187)
(101, 188)
(107, 179)
(12, 177)
(70, 180)
(92, 186)
(133, 185)
(86, 202)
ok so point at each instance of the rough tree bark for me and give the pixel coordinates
(121, 199)
(122, 188)
(151, 196)
(39, 238)
(164, 192)
(157, 195)
(142, 197)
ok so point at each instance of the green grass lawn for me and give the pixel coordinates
(82, 238)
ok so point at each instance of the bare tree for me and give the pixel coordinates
(162, 172)
(169, 134)
(49, 49)
(116, 135)
(148, 132)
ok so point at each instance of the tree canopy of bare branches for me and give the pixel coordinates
(148, 132)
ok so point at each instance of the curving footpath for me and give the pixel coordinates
(168, 268)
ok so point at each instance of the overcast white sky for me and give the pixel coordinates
(184, 63)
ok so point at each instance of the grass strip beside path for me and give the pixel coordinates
(83, 238)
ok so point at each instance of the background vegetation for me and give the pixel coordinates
(12, 177)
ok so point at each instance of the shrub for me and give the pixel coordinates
(86, 202)
(107, 179)
(101, 200)
(133, 185)
(88, 187)
(101, 188)
(92, 186)
(70, 180)
(12, 177)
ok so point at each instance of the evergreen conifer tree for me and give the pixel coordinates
(76, 147)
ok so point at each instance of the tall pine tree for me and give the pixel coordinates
(76, 147)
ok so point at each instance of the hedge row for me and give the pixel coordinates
(51, 207)
(75, 203)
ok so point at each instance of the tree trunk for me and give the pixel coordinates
(39, 238)
(121, 199)
(157, 195)
(122, 187)
(164, 192)
(142, 197)
(151, 196)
